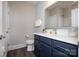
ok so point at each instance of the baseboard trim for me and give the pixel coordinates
(12, 47)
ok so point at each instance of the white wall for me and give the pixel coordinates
(3, 17)
(40, 13)
(75, 18)
(0, 17)
(5, 21)
(3, 26)
(22, 16)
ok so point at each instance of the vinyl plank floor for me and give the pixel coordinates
(20, 53)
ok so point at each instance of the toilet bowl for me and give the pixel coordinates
(30, 45)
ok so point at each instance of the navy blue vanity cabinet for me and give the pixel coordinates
(36, 49)
(57, 53)
(36, 45)
(45, 40)
(45, 50)
(42, 46)
(65, 48)
(46, 47)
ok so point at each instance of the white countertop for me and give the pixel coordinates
(72, 40)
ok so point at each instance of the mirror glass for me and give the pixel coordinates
(60, 14)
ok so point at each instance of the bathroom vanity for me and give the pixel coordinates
(63, 42)
(55, 46)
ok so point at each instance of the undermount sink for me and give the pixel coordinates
(49, 32)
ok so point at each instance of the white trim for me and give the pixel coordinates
(12, 47)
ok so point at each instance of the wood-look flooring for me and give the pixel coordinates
(20, 53)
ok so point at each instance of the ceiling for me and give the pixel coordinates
(33, 2)
(62, 4)
(27, 2)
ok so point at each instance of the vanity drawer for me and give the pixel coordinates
(57, 53)
(64, 44)
(37, 51)
(45, 50)
(45, 40)
(62, 49)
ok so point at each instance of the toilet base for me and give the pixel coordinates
(30, 47)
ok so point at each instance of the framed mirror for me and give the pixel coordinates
(60, 14)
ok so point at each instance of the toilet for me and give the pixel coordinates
(30, 44)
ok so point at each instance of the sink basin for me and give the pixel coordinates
(49, 32)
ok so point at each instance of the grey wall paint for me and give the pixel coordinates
(22, 16)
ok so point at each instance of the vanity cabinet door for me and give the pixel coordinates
(45, 50)
(56, 53)
(36, 46)
(66, 48)
(45, 40)
(36, 51)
